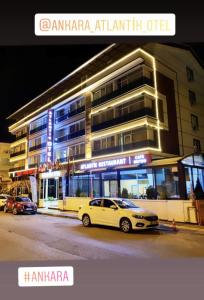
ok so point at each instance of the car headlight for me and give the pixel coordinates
(138, 216)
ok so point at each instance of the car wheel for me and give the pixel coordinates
(125, 225)
(86, 221)
(15, 212)
(5, 209)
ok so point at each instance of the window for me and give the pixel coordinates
(192, 97)
(190, 74)
(96, 202)
(196, 145)
(97, 145)
(194, 122)
(122, 82)
(107, 203)
(161, 110)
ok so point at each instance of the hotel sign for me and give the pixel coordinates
(129, 160)
(50, 136)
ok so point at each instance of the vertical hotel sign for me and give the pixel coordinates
(50, 136)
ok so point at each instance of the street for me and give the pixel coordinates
(40, 237)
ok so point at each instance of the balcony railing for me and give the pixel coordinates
(17, 169)
(121, 148)
(37, 147)
(39, 128)
(32, 166)
(146, 111)
(74, 157)
(132, 85)
(70, 114)
(17, 153)
(70, 136)
(21, 136)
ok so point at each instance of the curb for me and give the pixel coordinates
(57, 215)
(182, 227)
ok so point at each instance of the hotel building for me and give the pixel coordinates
(128, 122)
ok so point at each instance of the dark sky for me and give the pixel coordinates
(25, 72)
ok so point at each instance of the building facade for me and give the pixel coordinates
(129, 122)
(4, 167)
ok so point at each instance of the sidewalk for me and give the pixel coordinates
(73, 215)
(57, 213)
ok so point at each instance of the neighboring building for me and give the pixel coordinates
(4, 167)
(120, 123)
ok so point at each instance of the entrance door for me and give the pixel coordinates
(110, 184)
(110, 188)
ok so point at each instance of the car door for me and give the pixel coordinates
(109, 216)
(94, 211)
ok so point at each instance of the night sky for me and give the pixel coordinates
(25, 72)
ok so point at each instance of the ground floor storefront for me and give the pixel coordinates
(133, 177)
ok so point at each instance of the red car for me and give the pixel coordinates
(18, 205)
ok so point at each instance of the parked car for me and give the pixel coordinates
(20, 204)
(121, 213)
(3, 198)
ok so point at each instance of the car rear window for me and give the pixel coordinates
(96, 202)
(22, 199)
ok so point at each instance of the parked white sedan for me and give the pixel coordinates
(121, 213)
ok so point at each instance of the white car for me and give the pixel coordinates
(3, 198)
(121, 213)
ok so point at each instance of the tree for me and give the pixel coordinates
(124, 193)
(198, 190)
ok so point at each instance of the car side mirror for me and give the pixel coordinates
(113, 206)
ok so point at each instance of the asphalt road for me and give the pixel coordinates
(40, 237)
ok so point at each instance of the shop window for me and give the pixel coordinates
(194, 122)
(192, 97)
(136, 182)
(167, 183)
(190, 74)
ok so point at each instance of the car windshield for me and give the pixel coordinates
(124, 203)
(18, 199)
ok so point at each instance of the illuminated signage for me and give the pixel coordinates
(50, 136)
(130, 160)
(139, 159)
(54, 174)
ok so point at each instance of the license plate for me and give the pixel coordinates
(28, 208)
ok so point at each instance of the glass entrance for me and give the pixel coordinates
(109, 184)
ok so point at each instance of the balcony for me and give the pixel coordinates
(127, 147)
(132, 85)
(70, 136)
(17, 153)
(21, 136)
(74, 157)
(70, 114)
(146, 111)
(39, 128)
(37, 147)
(17, 169)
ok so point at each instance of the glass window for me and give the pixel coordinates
(196, 145)
(134, 183)
(167, 183)
(194, 122)
(190, 74)
(192, 97)
(107, 203)
(96, 202)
